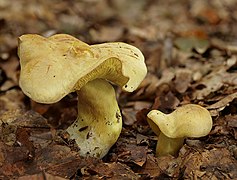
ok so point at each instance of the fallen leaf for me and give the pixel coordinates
(223, 102)
(166, 102)
(187, 44)
(41, 176)
(231, 120)
(12, 99)
(133, 154)
(129, 116)
(204, 11)
(169, 166)
(182, 80)
(151, 167)
(103, 34)
(211, 83)
(205, 161)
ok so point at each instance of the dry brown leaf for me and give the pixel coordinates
(182, 80)
(223, 102)
(212, 83)
(148, 86)
(151, 167)
(232, 121)
(129, 116)
(12, 99)
(104, 34)
(203, 163)
(148, 32)
(138, 105)
(41, 176)
(203, 11)
(230, 79)
(166, 102)
(166, 78)
(169, 165)
(132, 153)
(11, 68)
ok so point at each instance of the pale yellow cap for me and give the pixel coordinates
(190, 120)
(53, 67)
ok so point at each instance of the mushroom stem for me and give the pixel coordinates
(166, 145)
(99, 121)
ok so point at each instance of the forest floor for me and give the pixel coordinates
(190, 48)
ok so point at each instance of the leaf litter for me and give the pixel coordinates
(190, 49)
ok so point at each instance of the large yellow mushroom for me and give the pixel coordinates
(190, 120)
(53, 67)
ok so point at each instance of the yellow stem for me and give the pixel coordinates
(99, 121)
(166, 145)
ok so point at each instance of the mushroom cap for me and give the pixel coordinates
(53, 67)
(187, 121)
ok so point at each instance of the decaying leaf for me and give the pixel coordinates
(189, 43)
(211, 83)
(40, 176)
(182, 80)
(191, 54)
(221, 104)
(151, 167)
(201, 165)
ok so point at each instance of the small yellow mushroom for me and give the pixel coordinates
(187, 121)
(53, 67)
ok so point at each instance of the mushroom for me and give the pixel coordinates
(53, 67)
(190, 120)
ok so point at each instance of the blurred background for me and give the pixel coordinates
(151, 25)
